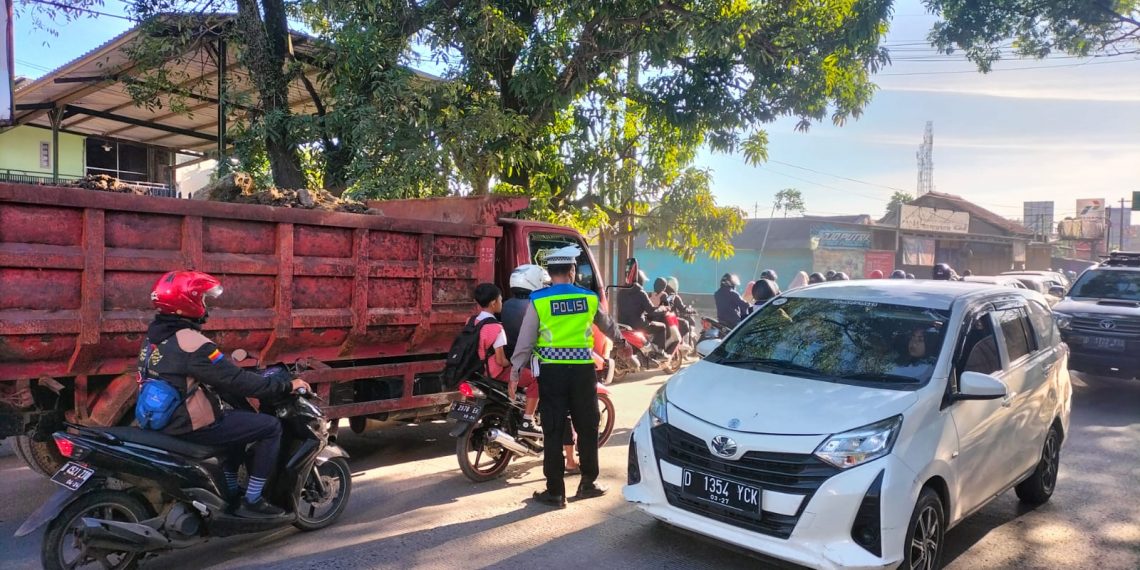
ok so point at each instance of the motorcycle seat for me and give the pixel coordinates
(159, 440)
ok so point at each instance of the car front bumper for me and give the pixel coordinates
(822, 533)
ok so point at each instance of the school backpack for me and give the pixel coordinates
(463, 359)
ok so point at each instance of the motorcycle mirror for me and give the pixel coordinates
(705, 347)
(239, 355)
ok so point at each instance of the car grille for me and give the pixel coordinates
(793, 473)
(1121, 325)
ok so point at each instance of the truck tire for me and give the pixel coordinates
(41, 456)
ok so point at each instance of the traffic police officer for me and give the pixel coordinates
(557, 331)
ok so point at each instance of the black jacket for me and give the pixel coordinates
(633, 307)
(514, 309)
(216, 373)
(730, 307)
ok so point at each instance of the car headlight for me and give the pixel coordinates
(1063, 320)
(860, 445)
(658, 413)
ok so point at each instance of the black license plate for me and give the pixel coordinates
(721, 491)
(465, 411)
(72, 476)
(1103, 343)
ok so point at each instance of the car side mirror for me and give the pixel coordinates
(1057, 291)
(978, 386)
(705, 347)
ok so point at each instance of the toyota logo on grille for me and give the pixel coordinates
(724, 446)
(1108, 324)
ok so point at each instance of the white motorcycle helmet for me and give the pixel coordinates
(529, 277)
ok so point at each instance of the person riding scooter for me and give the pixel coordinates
(176, 351)
(762, 292)
(730, 307)
(636, 310)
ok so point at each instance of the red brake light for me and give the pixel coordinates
(466, 390)
(64, 445)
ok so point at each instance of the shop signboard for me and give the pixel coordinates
(921, 218)
(881, 260)
(828, 236)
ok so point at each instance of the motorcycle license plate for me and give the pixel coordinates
(72, 476)
(465, 411)
(721, 491)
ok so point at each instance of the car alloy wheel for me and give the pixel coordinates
(925, 543)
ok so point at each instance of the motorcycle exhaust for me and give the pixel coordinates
(134, 537)
(511, 444)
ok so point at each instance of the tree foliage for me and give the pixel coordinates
(789, 200)
(1038, 28)
(897, 199)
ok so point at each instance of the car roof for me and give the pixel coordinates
(989, 279)
(911, 292)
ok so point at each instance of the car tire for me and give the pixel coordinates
(925, 535)
(1038, 488)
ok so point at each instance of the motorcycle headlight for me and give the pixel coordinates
(1064, 321)
(658, 408)
(860, 445)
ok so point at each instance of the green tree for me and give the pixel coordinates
(789, 200)
(897, 199)
(1037, 27)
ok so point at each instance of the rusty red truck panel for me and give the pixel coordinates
(375, 296)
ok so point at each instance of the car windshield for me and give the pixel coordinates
(1120, 285)
(839, 340)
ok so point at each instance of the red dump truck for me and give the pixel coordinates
(377, 297)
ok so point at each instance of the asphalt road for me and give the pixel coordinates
(412, 508)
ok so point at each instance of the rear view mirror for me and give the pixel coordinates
(705, 347)
(978, 386)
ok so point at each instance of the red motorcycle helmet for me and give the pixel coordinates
(184, 293)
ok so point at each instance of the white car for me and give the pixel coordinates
(850, 424)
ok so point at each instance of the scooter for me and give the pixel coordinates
(487, 423)
(128, 493)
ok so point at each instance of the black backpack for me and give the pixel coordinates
(463, 359)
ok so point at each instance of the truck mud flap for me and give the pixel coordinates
(48, 511)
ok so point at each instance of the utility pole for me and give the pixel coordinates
(1121, 230)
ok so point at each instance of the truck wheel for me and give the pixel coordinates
(41, 456)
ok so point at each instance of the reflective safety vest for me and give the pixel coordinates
(565, 324)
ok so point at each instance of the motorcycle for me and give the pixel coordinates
(692, 337)
(487, 423)
(128, 493)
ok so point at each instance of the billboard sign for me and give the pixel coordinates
(1038, 217)
(1090, 208)
(837, 237)
(926, 219)
(7, 64)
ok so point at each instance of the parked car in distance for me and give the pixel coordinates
(1100, 318)
(851, 424)
(1054, 275)
(995, 280)
(1053, 290)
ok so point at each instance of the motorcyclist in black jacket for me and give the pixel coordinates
(176, 351)
(636, 310)
(730, 307)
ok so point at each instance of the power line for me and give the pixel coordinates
(974, 71)
(856, 180)
(81, 9)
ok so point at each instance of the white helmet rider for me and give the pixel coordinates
(529, 277)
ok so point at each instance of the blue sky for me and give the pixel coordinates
(1058, 130)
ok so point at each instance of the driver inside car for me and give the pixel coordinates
(176, 351)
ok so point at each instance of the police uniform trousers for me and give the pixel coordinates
(568, 389)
